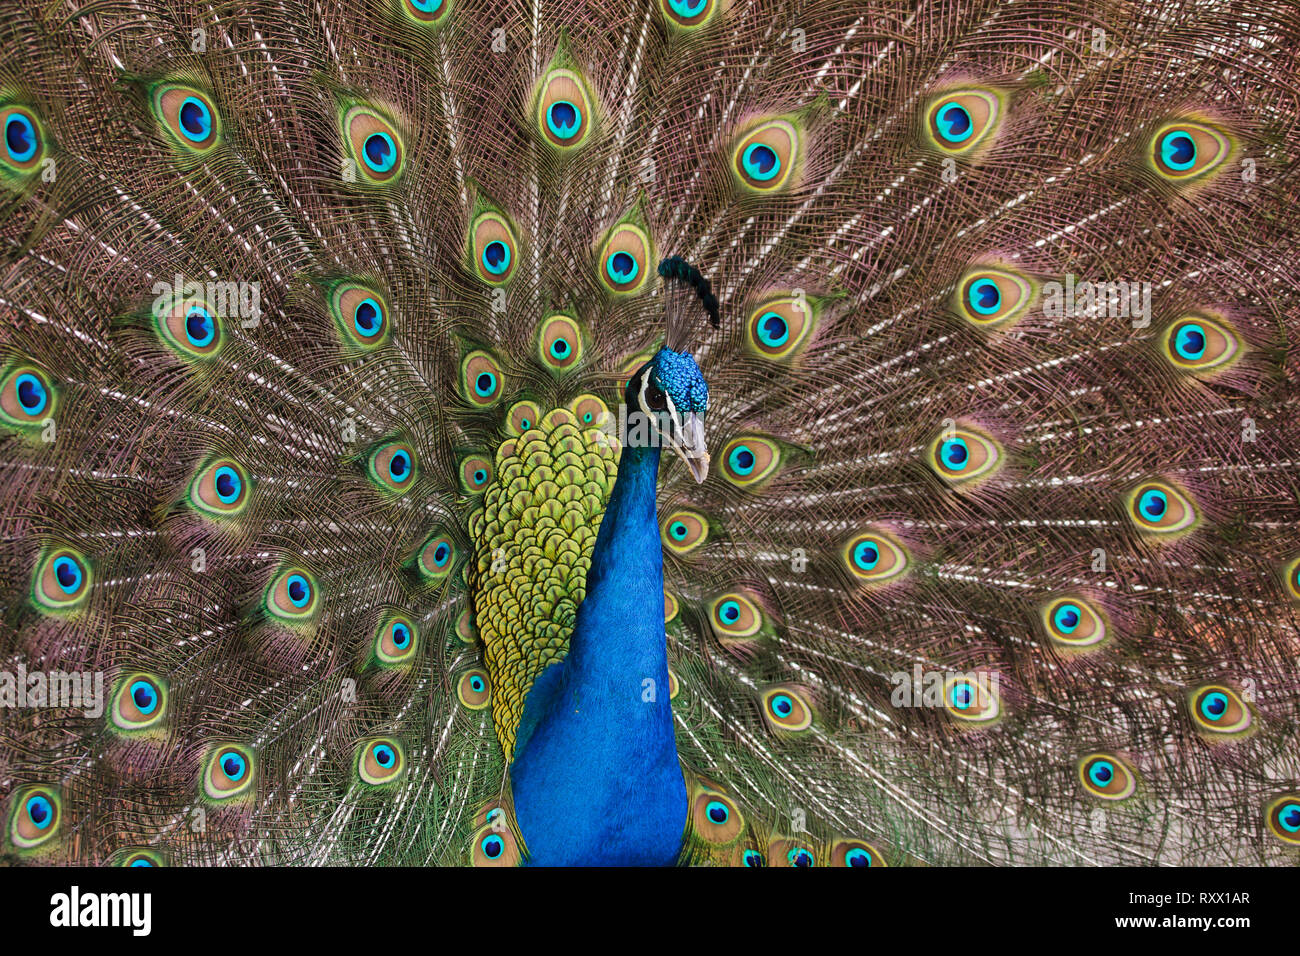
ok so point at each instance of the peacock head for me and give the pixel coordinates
(671, 393)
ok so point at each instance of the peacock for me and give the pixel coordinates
(678, 432)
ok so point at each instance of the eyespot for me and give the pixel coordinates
(855, 853)
(787, 708)
(35, 816)
(361, 313)
(1291, 578)
(1197, 344)
(674, 685)
(1073, 623)
(188, 116)
(189, 327)
(475, 473)
(779, 328)
(734, 616)
(688, 14)
(220, 489)
(1283, 817)
(396, 640)
(465, 629)
(1217, 709)
(623, 259)
(494, 845)
(493, 248)
(474, 690)
(993, 297)
(229, 772)
(392, 467)
(782, 851)
(1159, 508)
(374, 145)
(1106, 776)
(961, 455)
(24, 139)
(292, 596)
(522, 417)
(27, 396)
(958, 121)
(62, 581)
(748, 461)
(683, 531)
(874, 557)
(1185, 150)
(559, 342)
(715, 818)
(764, 158)
(972, 699)
(589, 411)
(380, 761)
(437, 558)
(140, 857)
(139, 703)
(752, 858)
(426, 12)
(564, 110)
(480, 380)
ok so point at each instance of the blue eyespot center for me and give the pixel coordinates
(773, 330)
(40, 811)
(20, 138)
(480, 476)
(754, 858)
(368, 318)
(761, 162)
(1214, 706)
(380, 152)
(866, 555)
(227, 483)
(440, 554)
(962, 696)
(1066, 618)
(1101, 772)
(199, 327)
(1153, 504)
(195, 119)
(141, 862)
(622, 267)
(426, 6)
(401, 636)
(67, 574)
(299, 590)
(857, 857)
(729, 611)
(477, 684)
(32, 395)
(678, 530)
(984, 296)
(954, 122)
(1289, 817)
(717, 811)
(144, 696)
(688, 8)
(493, 846)
(399, 466)
(799, 857)
(563, 119)
(954, 453)
(485, 384)
(1178, 150)
(741, 460)
(233, 766)
(384, 756)
(560, 348)
(782, 705)
(496, 257)
(1190, 341)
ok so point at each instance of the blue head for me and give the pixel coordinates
(671, 392)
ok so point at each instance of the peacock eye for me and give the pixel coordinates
(563, 110)
(23, 143)
(1197, 344)
(1073, 623)
(374, 143)
(799, 856)
(1220, 710)
(1161, 509)
(958, 121)
(1283, 816)
(35, 817)
(1106, 776)
(988, 297)
(1187, 150)
(139, 703)
(963, 455)
(395, 641)
(188, 116)
(754, 858)
(380, 761)
(972, 701)
(855, 853)
(26, 396)
(229, 772)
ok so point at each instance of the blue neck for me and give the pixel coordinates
(596, 778)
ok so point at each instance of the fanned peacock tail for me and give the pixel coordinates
(317, 322)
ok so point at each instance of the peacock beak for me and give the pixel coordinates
(689, 443)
